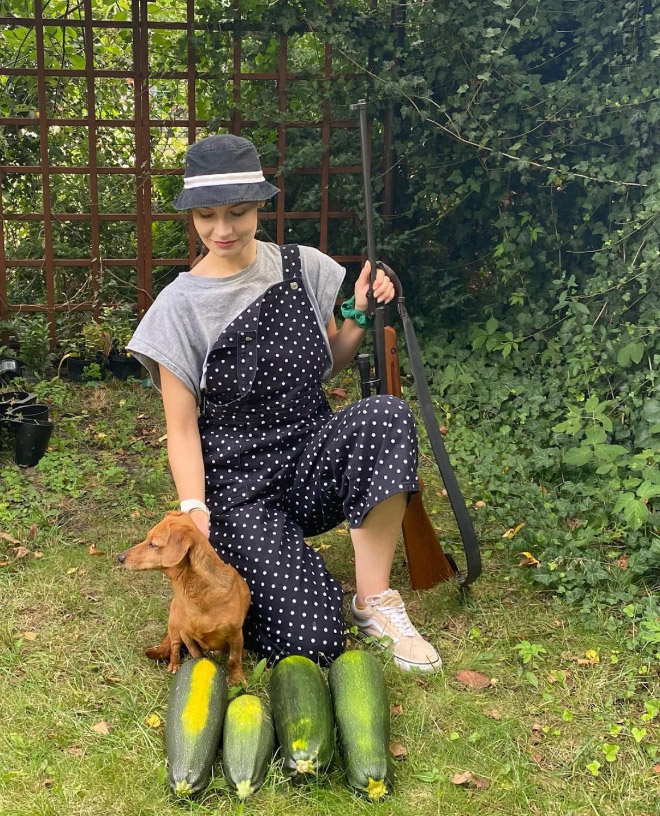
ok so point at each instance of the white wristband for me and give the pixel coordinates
(194, 504)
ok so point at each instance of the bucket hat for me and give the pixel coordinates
(220, 170)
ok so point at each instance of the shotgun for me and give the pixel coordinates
(428, 564)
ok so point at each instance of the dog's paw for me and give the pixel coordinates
(237, 678)
(173, 668)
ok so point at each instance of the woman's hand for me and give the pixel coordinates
(201, 520)
(383, 288)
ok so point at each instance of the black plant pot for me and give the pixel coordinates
(9, 368)
(31, 440)
(123, 366)
(10, 399)
(33, 411)
(75, 367)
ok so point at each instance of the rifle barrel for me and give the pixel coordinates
(376, 312)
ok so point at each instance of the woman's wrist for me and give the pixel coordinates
(351, 311)
(194, 505)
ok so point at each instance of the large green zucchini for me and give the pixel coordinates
(362, 714)
(302, 711)
(248, 741)
(196, 709)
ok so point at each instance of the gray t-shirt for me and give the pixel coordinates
(186, 318)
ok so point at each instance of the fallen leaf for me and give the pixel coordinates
(38, 554)
(398, 750)
(153, 720)
(493, 713)
(28, 635)
(528, 560)
(346, 586)
(4, 563)
(473, 679)
(471, 780)
(322, 547)
(592, 656)
(338, 392)
(477, 504)
(74, 751)
(396, 710)
(20, 552)
(101, 728)
(656, 768)
(514, 531)
(33, 531)
(162, 438)
(573, 523)
(9, 539)
(93, 551)
(444, 431)
(537, 726)
(622, 562)
(72, 570)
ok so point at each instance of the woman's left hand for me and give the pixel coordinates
(383, 288)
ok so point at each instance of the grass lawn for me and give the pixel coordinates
(567, 725)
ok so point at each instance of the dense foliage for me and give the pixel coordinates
(525, 229)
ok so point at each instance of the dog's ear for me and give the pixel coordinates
(177, 545)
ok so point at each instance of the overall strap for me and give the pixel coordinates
(291, 265)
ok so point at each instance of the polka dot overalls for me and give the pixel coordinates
(280, 465)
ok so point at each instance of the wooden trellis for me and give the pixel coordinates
(140, 25)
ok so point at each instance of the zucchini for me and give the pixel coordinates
(196, 709)
(362, 714)
(302, 711)
(248, 740)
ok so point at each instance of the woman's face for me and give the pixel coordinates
(228, 230)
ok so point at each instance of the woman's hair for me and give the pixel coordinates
(205, 251)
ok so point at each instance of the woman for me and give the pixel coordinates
(246, 337)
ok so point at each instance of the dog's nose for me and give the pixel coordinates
(121, 557)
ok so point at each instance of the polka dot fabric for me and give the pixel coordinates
(280, 465)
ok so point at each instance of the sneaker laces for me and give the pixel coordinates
(396, 614)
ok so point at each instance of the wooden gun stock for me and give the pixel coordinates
(427, 563)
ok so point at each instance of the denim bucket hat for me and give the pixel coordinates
(222, 170)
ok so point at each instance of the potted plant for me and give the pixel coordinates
(86, 354)
(120, 322)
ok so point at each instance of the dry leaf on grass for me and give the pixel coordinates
(9, 539)
(398, 750)
(74, 751)
(656, 768)
(473, 679)
(338, 392)
(33, 531)
(396, 710)
(93, 551)
(28, 635)
(20, 552)
(101, 728)
(153, 720)
(493, 713)
(470, 780)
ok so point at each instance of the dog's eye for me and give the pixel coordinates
(151, 544)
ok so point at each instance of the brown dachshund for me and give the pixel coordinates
(210, 598)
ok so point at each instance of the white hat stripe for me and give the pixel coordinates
(218, 179)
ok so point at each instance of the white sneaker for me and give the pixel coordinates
(385, 619)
